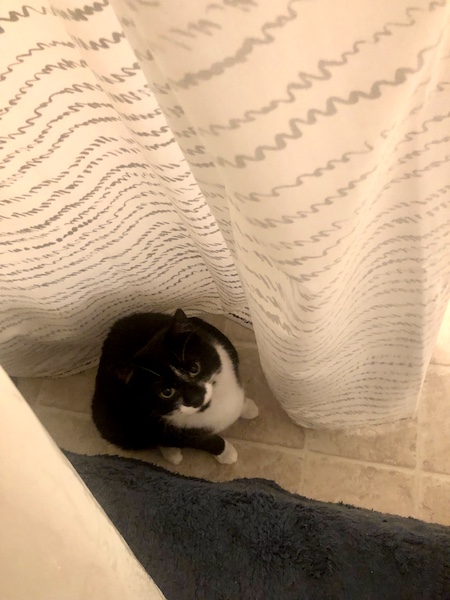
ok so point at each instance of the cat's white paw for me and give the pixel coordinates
(228, 456)
(172, 455)
(249, 410)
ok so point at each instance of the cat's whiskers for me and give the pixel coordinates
(146, 369)
(185, 344)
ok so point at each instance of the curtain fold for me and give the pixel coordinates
(101, 215)
(287, 161)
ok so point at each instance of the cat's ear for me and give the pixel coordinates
(124, 373)
(180, 315)
(180, 323)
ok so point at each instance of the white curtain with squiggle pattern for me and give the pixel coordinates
(283, 162)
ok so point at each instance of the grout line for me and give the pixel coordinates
(439, 364)
(419, 453)
(366, 463)
(417, 483)
(244, 344)
(306, 452)
(31, 399)
(438, 474)
(307, 455)
(59, 409)
(267, 446)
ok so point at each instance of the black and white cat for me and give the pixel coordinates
(170, 382)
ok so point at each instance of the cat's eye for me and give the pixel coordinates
(167, 393)
(194, 369)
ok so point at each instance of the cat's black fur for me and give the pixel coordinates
(135, 370)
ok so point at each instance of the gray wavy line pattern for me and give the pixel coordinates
(240, 56)
(336, 225)
(78, 237)
(331, 108)
(307, 80)
(318, 172)
(115, 222)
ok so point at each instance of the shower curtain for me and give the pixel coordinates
(283, 162)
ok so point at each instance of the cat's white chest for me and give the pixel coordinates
(227, 401)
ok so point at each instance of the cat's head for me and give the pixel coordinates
(175, 370)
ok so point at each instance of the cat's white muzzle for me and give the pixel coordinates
(190, 410)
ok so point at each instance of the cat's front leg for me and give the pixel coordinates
(223, 451)
(228, 456)
(249, 409)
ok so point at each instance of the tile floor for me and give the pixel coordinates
(404, 469)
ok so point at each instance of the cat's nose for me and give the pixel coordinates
(195, 399)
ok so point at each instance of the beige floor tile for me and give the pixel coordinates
(71, 393)
(253, 461)
(218, 321)
(239, 334)
(151, 456)
(337, 480)
(392, 445)
(435, 420)
(72, 431)
(435, 501)
(272, 426)
(441, 354)
(30, 387)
